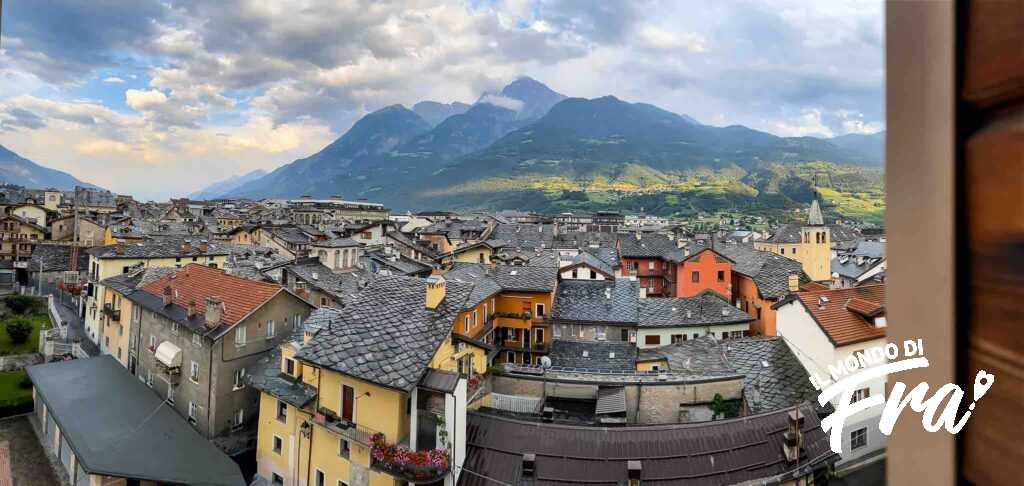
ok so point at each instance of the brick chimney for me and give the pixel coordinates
(119, 247)
(204, 246)
(214, 311)
(192, 310)
(168, 295)
(186, 247)
(436, 289)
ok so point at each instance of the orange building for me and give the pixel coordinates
(705, 270)
(759, 280)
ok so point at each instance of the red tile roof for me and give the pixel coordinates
(841, 324)
(194, 283)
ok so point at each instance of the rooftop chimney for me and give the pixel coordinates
(436, 289)
(214, 311)
(192, 311)
(119, 247)
(529, 464)
(794, 282)
(186, 247)
(204, 245)
(168, 295)
(634, 468)
(793, 437)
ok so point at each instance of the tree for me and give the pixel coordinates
(19, 330)
(19, 304)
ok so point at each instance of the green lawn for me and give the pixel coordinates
(10, 392)
(39, 321)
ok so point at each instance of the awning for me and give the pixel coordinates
(168, 354)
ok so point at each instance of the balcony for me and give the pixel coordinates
(339, 426)
(113, 314)
(514, 321)
(413, 466)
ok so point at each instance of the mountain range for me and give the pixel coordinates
(224, 186)
(15, 169)
(528, 145)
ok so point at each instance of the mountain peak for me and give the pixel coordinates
(529, 98)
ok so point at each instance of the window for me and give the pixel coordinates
(343, 448)
(650, 264)
(721, 275)
(539, 335)
(474, 317)
(193, 373)
(557, 331)
(860, 394)
(695, 276)
(540, 310)
(276, 445)
(152, 343)
(574, 273)
(782, 251)
(239, 379)
(276, 480)
(736, 334)
(759, 313)
(858, 438)
(282, 411)
(289, 366)
(239, 419)
(465, 324)
(136, 314)
(149, 378)
(240, 336)
(197, 340)
(678, 338)
(170, 394)
(270, 329)
(321, 480)
(193, 410)
(174, 328)
(652, 339)
(510, 357)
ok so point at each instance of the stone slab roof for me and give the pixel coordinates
(705, 309)
(593, 355)
(609, 301)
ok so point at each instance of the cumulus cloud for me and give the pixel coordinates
(265, 82)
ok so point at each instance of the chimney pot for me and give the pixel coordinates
(214, 311)
(186, 247)
(168, 296)
(634, 469)
(529, 464)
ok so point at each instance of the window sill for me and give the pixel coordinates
(236, 388)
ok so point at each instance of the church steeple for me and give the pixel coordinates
(814, 216)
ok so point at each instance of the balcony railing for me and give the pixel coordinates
(112, 313)
(337, 425)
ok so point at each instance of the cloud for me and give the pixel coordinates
(264, 82)
(502, 101)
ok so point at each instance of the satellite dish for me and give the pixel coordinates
(545, 362)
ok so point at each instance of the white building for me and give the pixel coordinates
(823, 328)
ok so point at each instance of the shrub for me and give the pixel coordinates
(20, 304)
(19, 330)
(25, 383)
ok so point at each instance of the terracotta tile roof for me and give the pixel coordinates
(196, 282)
(864, 307)
(841, 324)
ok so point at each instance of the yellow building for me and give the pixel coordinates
(120, 258)
(807, 243)
(353, 387)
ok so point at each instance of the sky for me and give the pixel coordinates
(159, 99)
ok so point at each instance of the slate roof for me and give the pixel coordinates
(702, 357)
(869, 249)
(842, 325)
(171, 247)
(768, 270)
(852, 267)
(606, 355)
(386, 335)
(529, 256)
(265, 375)
(783, 383)
(588, 259)
(704, 309)
(56, 258)
(650, 246)
(611, 301)
(491, 279)
(731, 451)
(788, 234)
(404, 239)
(336, 243)
(342, 285)
(526, 236)
(398, 263)
(132, 436)
(127, 283)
